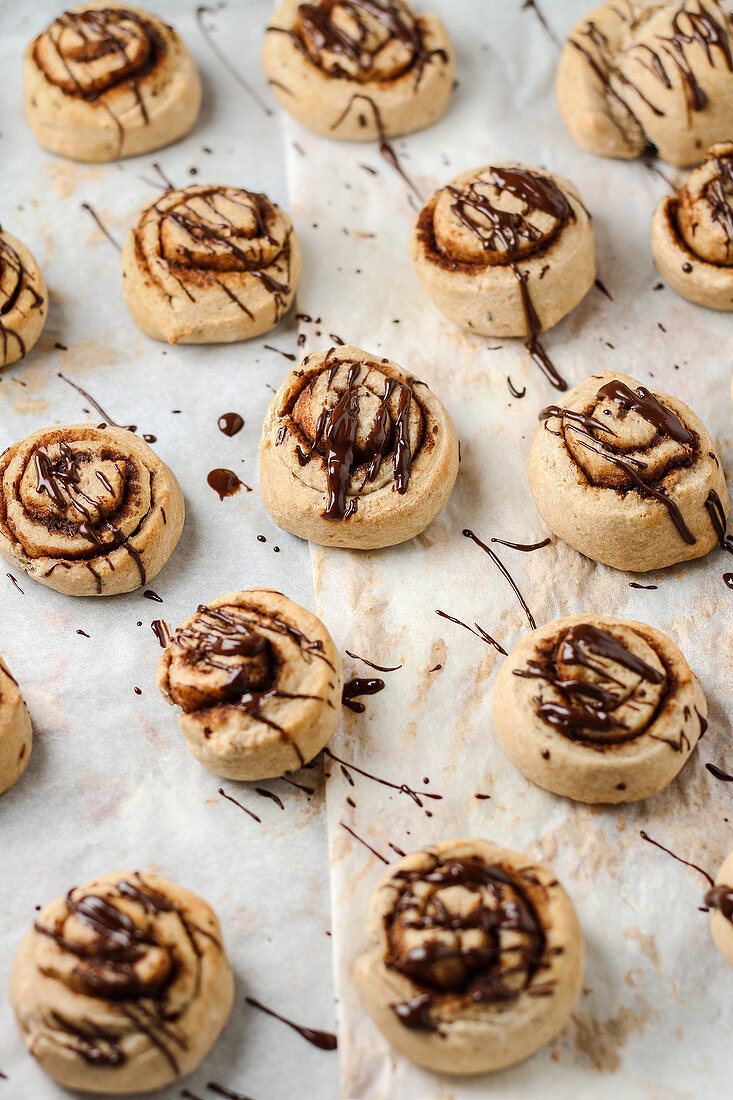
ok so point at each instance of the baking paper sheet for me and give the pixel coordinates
(657, 1009)
(111, 785)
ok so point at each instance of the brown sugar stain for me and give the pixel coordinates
(65, 176)
(599, 1042)
(430, 673)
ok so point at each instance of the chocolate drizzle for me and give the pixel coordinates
(505, 573)
(333, 435)
(236, 664)
(642, 402)
(112, 966)
(324, 1040)
(489, 951)
(514, 237)
(583, 709)
(715, 510)
(69, 52)
(721, 898)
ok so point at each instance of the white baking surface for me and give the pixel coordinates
(111, 785)
(657, 1010)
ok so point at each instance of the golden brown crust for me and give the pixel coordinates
(598, 709)
(476, 958)
(210, 264)
(356, 452)
(107, 80)
(359, 71)
(88, 511)
(505, 250)
(23, 300)
(258, 680)
(123, 985)
(628, 476)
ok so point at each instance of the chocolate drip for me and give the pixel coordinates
(715, 510)
(363, 842)
(643, 402)
(338, 429)
(162, 632)
(715, 193)
(483, 969)
(230, 423)
(224, 482)
(721, 898)
(513, 390)
(222, 1090)
(586, 705)
(718, 773)
(105, 32)
(525, 547)
(324, 1040)
(222, 57)
(378, 668)
(95, 216)
(507, 232)
(219, 236)
(111, 967)
(315, 33)
(358, 687)
(651, 409)
(229, 798)
(505, 573)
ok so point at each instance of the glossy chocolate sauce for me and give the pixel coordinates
(230, 423)
(324, 1040)
(357, 687)
(646, 405)
(585, 705)
(475, 964)
(225, 483)
(505, 573)
(718, 773)
(377, 668)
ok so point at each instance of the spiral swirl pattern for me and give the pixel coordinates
(258, 680)
(117, 978)
(210, 263)
(359, 69)
(476, 957)
(627, 476)
(23, 300)
(506, 251)
(598, 709)
(87, 511)
(692, 232)
(105, 80)
(354, 441)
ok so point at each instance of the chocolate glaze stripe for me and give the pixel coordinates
(505, 572)
(10, 260)
(208, 38)
(357, 687)
(91, 211)
(478, 631)
(718, 773)
(403, 788)
(378, 668)
(223, 793)
(324, 1040)
(363, 842)
(645, 836)
(525, 547)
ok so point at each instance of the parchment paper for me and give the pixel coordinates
(657, 1010)
(111, 785)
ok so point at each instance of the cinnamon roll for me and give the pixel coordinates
(648, 73)
(258, 681)
(107, 80)
(210, 264)
(23, 300)
(692, 233)
(505, 250)
(122, 985)
(628, 476)
(598, 709)
(476, 959)
(15, 731)
(719, 899)
(87, 511)
(359, 70)
(356, 452)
